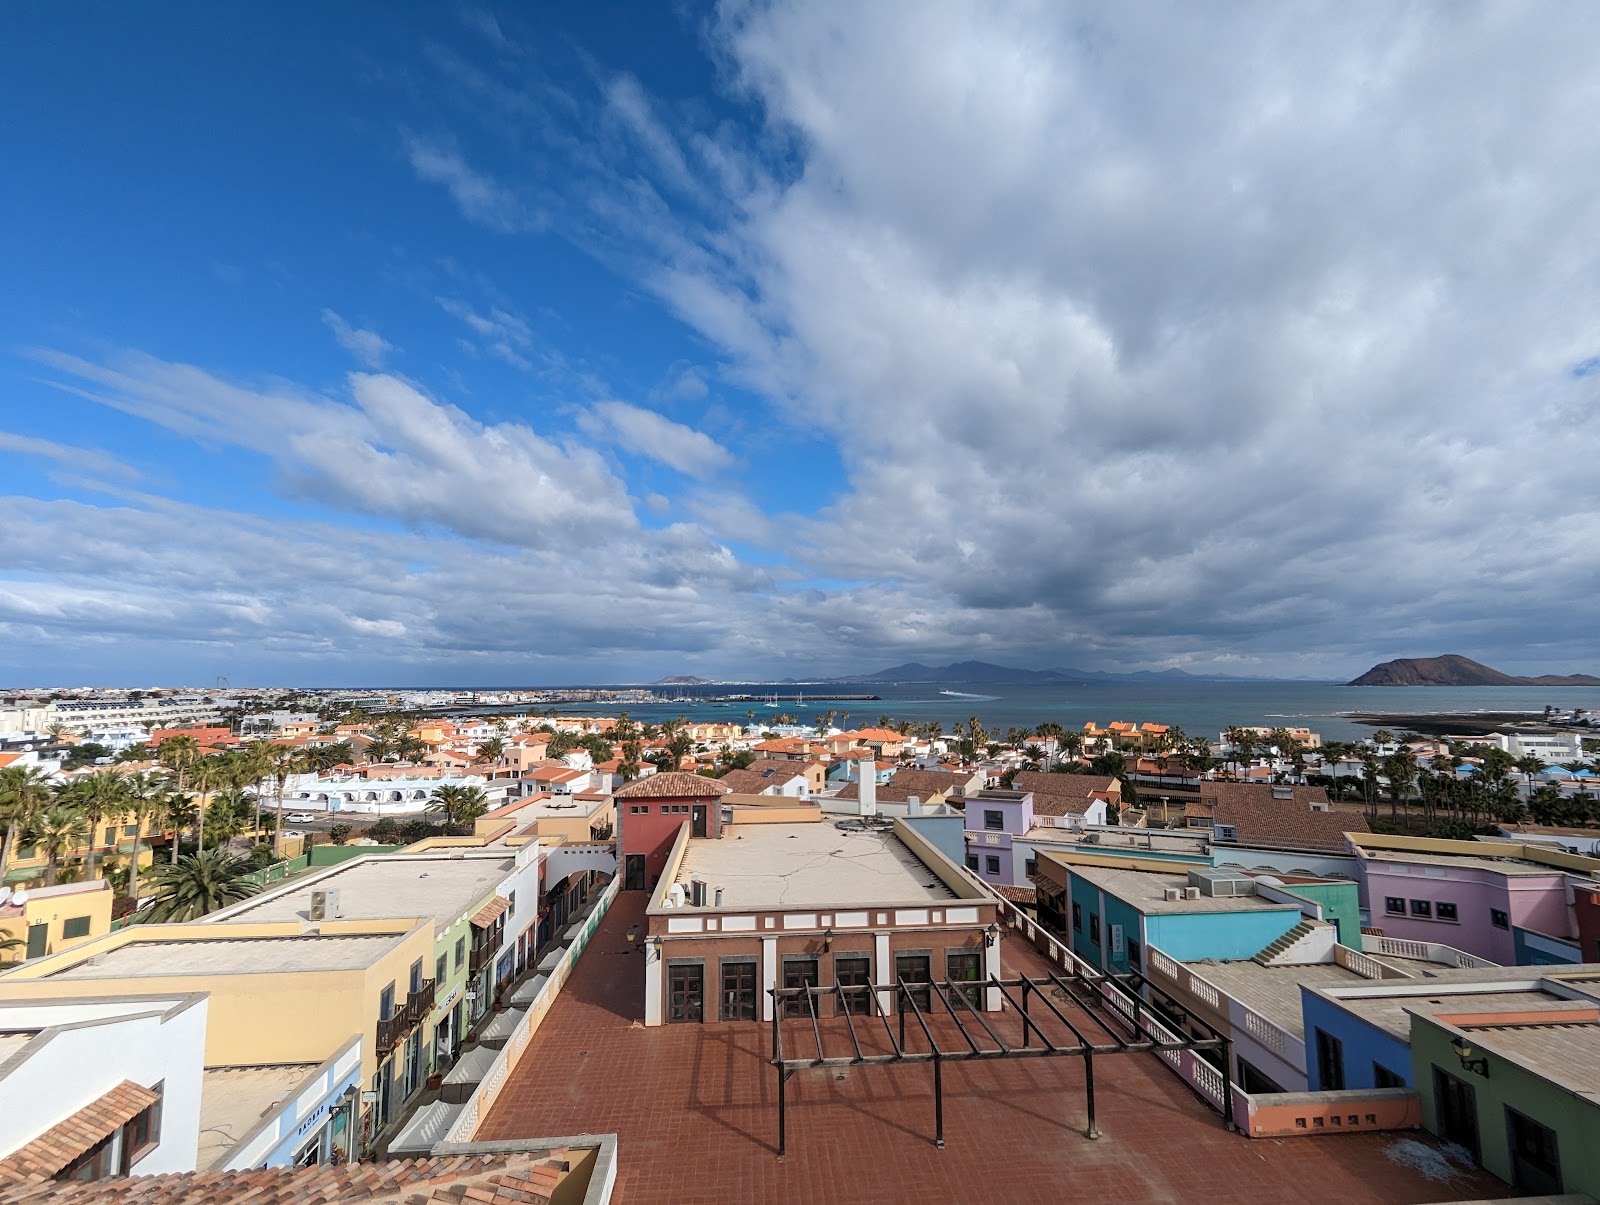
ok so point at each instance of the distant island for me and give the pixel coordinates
(1452, 669)
(682, 680)
(987, 672)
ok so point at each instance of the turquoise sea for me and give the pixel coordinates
(1200, 708)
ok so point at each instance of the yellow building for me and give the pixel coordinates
(113, 843)
(48, 920)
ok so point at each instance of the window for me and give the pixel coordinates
(1133, 956)
(964, 966)
(1499, 919)
(1077, 916)
(1382, 1077)
(441, 969)
(111, 835)
(994, 820)
(1421, 908)
(686, 991)
(1031, 867)
(415, 979)
(1225, 832)
(1394, 905)
(1535, 1156)
(991, 864)
(800, 971)
(972, 861)
(1094, 928)
(1330, 1062)
(853, 972)
(130, 830)
(461, 951)
(1445, 911)
(386, 1003)
(143, 1134)
(75, 926)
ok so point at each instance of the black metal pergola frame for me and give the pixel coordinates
(958, 997)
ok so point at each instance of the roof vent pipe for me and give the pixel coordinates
(868, 793)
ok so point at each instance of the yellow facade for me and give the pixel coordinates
(285, 1016)
(85, 911)
(113, 841)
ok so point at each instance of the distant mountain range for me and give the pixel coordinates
(1453, 669)
(681, 680)
(986, 673)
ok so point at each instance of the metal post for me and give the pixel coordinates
(783, 1075)
(1227, 1083)
(938, 1100)
(1088, 1087)
(1025, 1034)
(900, 1004)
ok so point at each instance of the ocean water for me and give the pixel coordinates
(1200, 708)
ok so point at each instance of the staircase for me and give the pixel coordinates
(1290, 939)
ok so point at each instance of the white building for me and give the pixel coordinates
(1552, 748)
(382, 796)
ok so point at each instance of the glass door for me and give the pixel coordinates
(739, 991)
(853, 972)
(1457, 1106)
(799, 971)
(686, 991)
(964, 967)
(916, 969)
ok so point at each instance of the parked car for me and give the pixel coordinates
(292, 832)
(301, 818)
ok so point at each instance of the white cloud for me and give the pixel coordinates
(501, 333)
(479, 196)
(371, 348)
(388, 450)
(647, 433)
(84, 460)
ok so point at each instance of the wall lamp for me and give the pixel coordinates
(827, 939)
(991, 935)
(1464, 1051)
(653, 949)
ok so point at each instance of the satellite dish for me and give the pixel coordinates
(19, 898)
(5, 894)
(1270, 880)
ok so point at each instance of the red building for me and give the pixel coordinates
(650, 811)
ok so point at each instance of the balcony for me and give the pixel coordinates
(482, 955)
(393, 1030)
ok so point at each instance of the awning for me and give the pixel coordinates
(490, 912)
(58, 1146)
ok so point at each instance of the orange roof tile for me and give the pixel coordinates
(490, 912)
(63, 1142)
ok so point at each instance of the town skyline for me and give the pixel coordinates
(499, 346)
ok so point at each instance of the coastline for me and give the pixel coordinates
(1479, 723)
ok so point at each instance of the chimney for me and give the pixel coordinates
(913, 806)
(868, 769)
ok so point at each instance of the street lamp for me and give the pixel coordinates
(991, 935)
(1464, 1052)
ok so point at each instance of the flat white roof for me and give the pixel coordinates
(233, 1100)
(809, 865)
(1144, 890)
(380, 886)
(233, 956)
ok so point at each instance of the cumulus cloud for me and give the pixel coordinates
(371, 348)
(387, 450)
(647, 433)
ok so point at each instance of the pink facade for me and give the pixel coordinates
(1487, 905)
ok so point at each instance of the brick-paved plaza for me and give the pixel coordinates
(695, 1111)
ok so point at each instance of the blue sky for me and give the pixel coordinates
(434, 343)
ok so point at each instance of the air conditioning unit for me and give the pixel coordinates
(324, 904)
(1172, 893)
(1191, 893)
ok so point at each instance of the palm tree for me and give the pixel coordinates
(229, 813)
(490, 750)
(24, 791)
(142, 793)
(199, 883)
(97, 797)
(460, 805)
(208, 773)
(8, 944)
(58, 829)
(285, 761)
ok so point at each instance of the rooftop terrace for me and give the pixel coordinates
(809, 865)
(232, 956)
(443, 886)
(1145, 889)
(694, 1108)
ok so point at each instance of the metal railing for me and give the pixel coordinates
(392, 1030)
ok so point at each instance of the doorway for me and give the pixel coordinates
(1456, 1105)
(633, 872)
(799, 971)
(917, 968)
(853, 972)
(699, 815)
(686, 991)
(1535, 1158)
(739, 990)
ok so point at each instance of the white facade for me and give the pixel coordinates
(381, 796)
(82, 1049)
(79, 715)
(1552, 748)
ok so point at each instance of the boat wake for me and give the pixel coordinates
(961, 694)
